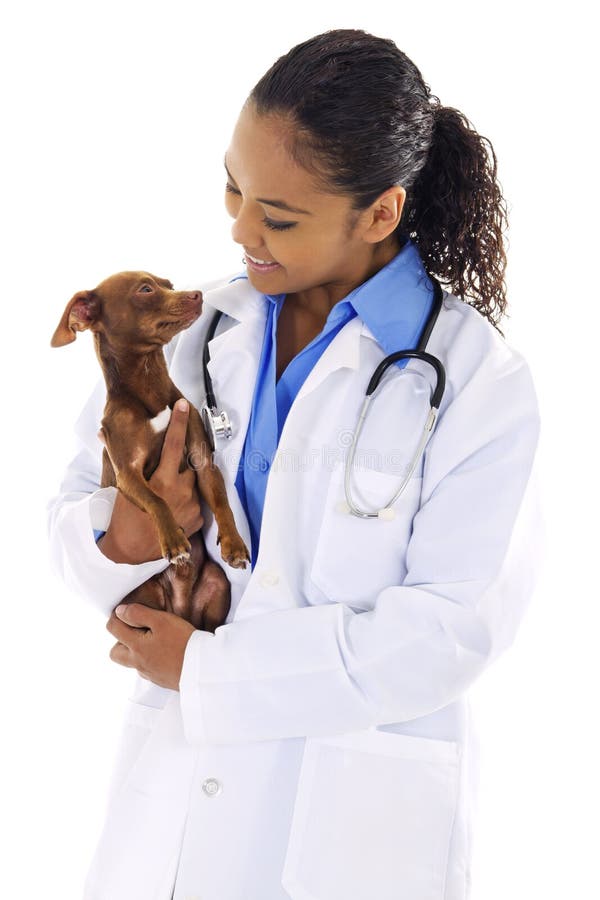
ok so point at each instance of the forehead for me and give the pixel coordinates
(258, 158)
(124, 281)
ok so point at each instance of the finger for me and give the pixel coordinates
(121, 654)
(174, 442)
(137, 615)
(125, 632)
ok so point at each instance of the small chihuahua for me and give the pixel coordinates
(132, 315)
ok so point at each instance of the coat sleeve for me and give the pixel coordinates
(79, 507)
(472, 561)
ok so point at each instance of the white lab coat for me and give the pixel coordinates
(321, 746)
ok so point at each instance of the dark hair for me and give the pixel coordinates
(363, 120)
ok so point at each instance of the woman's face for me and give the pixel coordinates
(316, 241)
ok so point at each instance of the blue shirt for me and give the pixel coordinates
(395, 305)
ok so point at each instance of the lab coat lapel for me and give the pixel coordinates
(233, 365)
(342, 352)
(235, 355)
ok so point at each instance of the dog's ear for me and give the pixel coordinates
(82, 310)
(164, 282)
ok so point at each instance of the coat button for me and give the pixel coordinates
(269, 579)
(212, 787)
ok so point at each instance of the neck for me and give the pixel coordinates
(321, 300)
(142, 373)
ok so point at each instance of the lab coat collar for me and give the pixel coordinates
(242, 302)
(237, 298)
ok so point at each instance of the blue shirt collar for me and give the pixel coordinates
(394, 303)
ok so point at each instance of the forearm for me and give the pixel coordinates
(124, 542)
(77, 558)
(112, 551)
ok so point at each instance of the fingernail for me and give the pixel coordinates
(120, 608)
(182, 405)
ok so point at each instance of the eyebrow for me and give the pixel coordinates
(279, 204)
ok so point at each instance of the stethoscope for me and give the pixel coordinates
(218, 426)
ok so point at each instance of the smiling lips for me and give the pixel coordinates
(261, 265)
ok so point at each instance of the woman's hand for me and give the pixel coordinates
(131, 536)
(150, 640)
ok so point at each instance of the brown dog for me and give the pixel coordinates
(132, 315)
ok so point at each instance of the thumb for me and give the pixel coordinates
(174, 442)
(136, 614)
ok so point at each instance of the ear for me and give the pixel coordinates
(384, 215)
(164, 282)
(82, 310)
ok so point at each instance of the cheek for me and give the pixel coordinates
(328, 248)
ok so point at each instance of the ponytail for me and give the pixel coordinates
(365, 120)
(456, 214)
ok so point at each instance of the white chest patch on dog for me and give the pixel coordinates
(160, 422)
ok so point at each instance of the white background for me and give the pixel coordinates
(115, 120)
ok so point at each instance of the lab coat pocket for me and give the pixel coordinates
(356, 558)
(373, 818)
(138, 723)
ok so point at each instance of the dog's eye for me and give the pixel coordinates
(145, 289)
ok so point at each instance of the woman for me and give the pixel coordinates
(318, 745)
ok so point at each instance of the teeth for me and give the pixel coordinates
(261, 262)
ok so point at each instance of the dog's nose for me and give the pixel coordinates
(195, 295)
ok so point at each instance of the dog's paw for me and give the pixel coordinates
(182, 560)
(175, 547)
(234, 551)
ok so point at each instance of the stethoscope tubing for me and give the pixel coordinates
(217, 422)
(386, 512)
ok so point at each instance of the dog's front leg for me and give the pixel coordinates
(212, 489)
(174, 544)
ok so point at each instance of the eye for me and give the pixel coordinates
(278, 226)
(270, 223)
(145, 289)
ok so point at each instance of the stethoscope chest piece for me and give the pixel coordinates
(216, 424)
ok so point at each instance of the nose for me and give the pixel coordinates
(245, 231)
(192, 300)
